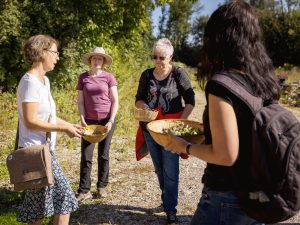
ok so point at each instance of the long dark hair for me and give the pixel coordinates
(233, 42)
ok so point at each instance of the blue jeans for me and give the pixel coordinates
(223, 208)
(166, 166)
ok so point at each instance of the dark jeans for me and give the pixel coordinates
(87, 150)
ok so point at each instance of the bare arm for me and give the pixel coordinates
(62, 122)
(225, 140)
(114, 98)
(80, 102)
(32, 122)
(141, 104)
(187, 111)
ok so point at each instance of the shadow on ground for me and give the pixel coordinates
(100, 214)
(9, 200)
(92, 214)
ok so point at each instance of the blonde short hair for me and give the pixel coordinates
(164, 45)
(35, 45)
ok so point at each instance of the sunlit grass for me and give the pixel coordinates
(291, 75)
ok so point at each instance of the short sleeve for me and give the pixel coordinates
(111, 80)
(183, 78)
(143, 84)
(80, 83)
(29, 91)
(185, 87)
(218, 90)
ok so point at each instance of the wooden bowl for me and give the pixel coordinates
(144, 115)
(156, 130)
(94, 133)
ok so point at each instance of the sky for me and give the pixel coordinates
(208, 7)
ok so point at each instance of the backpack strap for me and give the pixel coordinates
(253, 102)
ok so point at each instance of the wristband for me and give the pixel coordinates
(111, 121)
(187, 148)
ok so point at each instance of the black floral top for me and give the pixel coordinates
(168, 93)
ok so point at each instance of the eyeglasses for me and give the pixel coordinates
(55, 52)
(161, 58)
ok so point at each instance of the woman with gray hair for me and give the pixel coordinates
(163, 88)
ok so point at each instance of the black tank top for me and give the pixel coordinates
(230, 178)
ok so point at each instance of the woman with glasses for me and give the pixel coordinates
(163, 88)
(36, 109)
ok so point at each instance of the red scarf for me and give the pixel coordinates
(140, 145)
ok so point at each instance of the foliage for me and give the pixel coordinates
(198, 30)
(178, 25)
(175, 24)
(282, 36)
(280, 22)
(162, 21)
(276, 5)
(121, 27)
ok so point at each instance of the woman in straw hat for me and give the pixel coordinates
(98, 104)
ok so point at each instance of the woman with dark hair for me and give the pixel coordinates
(233, 47)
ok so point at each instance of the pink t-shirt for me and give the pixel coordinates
(97, 103)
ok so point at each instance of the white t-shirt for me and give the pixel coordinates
(30, 89)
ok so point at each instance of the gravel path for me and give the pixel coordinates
(133, 192)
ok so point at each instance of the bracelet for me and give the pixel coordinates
(187, 148)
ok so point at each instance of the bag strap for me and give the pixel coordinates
(17, 138)
(48, 136)
(253, 102)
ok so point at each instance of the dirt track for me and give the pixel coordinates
(133, 190)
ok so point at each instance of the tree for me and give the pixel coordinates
(282, 36)
(198, 30)
(121, 26)
(178, 25)
(162, 21)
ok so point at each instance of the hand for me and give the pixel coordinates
(108, 125)
(145, 106)
(176, 145)
(74, 130)
(83, 123)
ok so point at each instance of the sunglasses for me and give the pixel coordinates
(161, 58)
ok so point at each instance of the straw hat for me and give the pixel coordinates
(97, 51)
